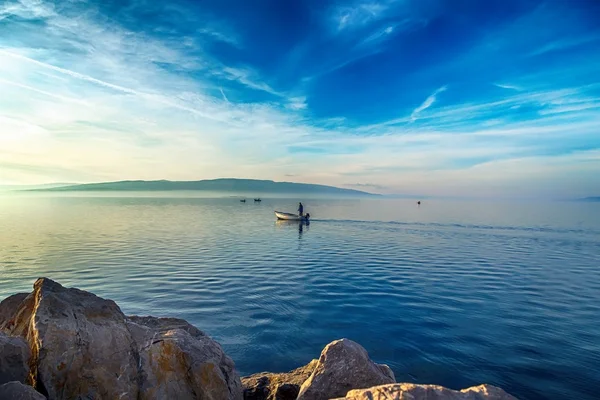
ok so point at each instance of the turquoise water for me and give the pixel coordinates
(455, 293)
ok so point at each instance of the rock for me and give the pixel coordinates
(409, 391)
(283, 386)
(14, 359)
(18, 391)
(181, 362)
(83, 346)
(9, 305)
(343, 365)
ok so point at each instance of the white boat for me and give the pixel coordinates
(290, 217)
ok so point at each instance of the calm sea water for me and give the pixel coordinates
(455, 293)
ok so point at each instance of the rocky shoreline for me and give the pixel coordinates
(61, 343)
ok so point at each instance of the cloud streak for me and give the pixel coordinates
(427, 103)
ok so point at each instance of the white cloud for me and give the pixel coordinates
(297, 103)
(508, 86)
(111, 113)
(427, 103)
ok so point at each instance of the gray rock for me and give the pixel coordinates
(282, 386)
(178, 361)
(409, 391)
(18, 391)
(9, 306)
(14, 359)
(343, 365)
(81, 347)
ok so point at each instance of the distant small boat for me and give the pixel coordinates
(291, 217)
(243, 200)
(257, 200)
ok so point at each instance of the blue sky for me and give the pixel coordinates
(465, 97)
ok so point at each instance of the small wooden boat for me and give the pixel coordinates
(257, 200)
(243, 200)
(291, 217)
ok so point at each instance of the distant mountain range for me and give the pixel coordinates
(218, 185)
(34, 187)
(591, 199)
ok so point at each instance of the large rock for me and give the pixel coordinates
(9, 305)
(84, 347)
(409, 391)
(14, 359)
(81, 347)
(18, 391)
(283, 386)
(343, 365)
(181, 362)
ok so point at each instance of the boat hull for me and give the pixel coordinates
(289, 217)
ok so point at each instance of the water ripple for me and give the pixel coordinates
(512, 301)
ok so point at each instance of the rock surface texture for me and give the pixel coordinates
(284, 386)
(83, 346)
(9, 305)
(409, 391)
(343, 365)
(19, 391)
(179, 361)
(14, 359)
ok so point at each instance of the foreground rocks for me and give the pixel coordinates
(83, 346)
(344, 371)
(19, 391)
(61, 343)
(14, 359)
(343, 365)
(284, 386)
(409, 391)
(179, 361)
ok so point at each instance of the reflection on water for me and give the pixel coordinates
(453, 293)
(300, 225)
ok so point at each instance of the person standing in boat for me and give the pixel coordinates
(300, 209)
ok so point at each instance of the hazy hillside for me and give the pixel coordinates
(223, 185)
(33, 187)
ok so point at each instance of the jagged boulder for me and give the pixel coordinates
(80, 344)
(19, 391)
(409, 391)
(14, 359)
(342, 366)
(283, 386)
(181, 362)
(9, 305)
(83, 346)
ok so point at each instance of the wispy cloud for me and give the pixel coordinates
(508, 86)
(45, 93)
(247, 77)
(87, 97)
(298, 103)
(564, 44)
(229, 38)
(223, 94)
(427, 103)
(348, 17)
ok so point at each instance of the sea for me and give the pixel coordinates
(449, 292)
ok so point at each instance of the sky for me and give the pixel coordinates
(429, 97)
